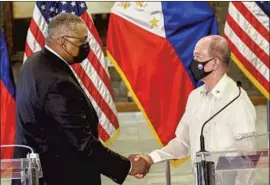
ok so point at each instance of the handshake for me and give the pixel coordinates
(140, 165)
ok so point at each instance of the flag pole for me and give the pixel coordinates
(168, 173)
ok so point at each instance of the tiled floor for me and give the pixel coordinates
(136, 137)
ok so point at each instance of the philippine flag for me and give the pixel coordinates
(151, 45)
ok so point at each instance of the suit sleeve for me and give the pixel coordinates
(64, 103)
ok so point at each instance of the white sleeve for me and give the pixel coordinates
(177, 147)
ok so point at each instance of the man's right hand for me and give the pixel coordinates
(137, 158)
(140, 166)
(145, 157)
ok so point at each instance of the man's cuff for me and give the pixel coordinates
(155, 157)
(130, 167)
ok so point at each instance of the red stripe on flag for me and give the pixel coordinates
(28, 50)
(91, 26)
(252, 19)
(96, 95)
(37, 33)
(155, 73)
(248, 41)
(92, 57)
(248, 65)
(102, 133)
(8, 121)
(100, 71)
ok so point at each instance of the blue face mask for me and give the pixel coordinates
(197, 69)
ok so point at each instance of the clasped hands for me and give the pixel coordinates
(141, 165)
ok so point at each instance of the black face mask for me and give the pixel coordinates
(84, 50)
(197, 69)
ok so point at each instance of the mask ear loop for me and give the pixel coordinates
(70, 42)
(59, 44)
(206, 62)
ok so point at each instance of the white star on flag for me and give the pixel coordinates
(73, 3)
(82, 5)
(43, 7)
(52, 9)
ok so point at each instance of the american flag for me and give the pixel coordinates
(92, 73)
(247, 31)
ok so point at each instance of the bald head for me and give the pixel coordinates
(216, 46)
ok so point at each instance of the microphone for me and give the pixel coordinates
(202, 143)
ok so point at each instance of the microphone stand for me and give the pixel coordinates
(205, 168)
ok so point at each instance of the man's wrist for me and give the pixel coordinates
(154, 157)
(150, 161)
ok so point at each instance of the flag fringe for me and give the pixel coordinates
(113, 137)
(250, 76)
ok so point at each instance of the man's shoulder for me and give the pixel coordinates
(35, 61)
(233, 89)
(34, 57)
(243, 100)
(37, 68)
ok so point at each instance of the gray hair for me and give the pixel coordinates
(63, 24)
(219, 48)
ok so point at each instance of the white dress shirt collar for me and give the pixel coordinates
(51, 50)
(219, 89)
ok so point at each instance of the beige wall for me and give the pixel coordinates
(25, 9)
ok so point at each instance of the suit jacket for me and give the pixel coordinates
(58, 121)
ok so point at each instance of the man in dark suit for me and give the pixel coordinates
(55, 117)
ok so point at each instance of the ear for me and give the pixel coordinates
(63, 42)
(217, 63)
